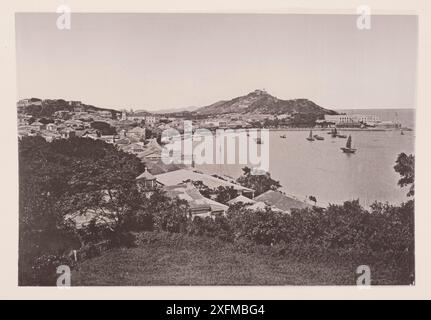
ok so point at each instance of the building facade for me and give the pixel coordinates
(345, 119)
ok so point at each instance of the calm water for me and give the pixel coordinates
(321, 169)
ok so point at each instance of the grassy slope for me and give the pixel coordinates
(181, 260)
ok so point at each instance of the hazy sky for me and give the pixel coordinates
(158, 61)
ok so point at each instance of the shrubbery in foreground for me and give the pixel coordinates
(79, 174)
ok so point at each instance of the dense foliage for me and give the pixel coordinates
(49, 107)
(69, 177)
(79, 175)
(260, 183)
(405, 166)
(104, 128)
(221, 194)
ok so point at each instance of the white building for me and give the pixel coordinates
(37, 126)
(352, 119)
(151, 120)
(123, 115)
(369, 119)
(136, 118)
(51, 127)
(105, 114)
(137, 132)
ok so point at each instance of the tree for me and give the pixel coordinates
(313, 198)
(260, 183)
(262, 227)
(225, 194)
(203, 188)
(68, 177)
(105, 128)
(221, 194)
(46, 120)
(405, 166)
(171, 216)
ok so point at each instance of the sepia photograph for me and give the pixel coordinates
(216, 149)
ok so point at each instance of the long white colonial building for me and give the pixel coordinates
(352, 118)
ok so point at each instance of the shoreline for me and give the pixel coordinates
(339, 129)
(312, 129)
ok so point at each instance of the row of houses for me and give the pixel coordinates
(148, 119)
(179, 184)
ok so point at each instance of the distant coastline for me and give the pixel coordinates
(339, 129)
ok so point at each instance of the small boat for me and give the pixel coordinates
(317, 137)
(283, 136)
(334, 132)
(342, 136)
(310, 137)
(258, 140)
(348, 148)
(402, 132)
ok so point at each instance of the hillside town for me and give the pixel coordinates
(139, 133)
(56, 119)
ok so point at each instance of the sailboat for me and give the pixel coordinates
(348, 148)
(310, 137)
(334, 132)
(402, 132)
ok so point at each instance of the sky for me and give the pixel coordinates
(162, 61)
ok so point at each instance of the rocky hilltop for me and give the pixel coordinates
(261, 102)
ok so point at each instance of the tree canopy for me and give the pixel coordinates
(66, 177)
(258, 182)
(105, 128)
(405, 166)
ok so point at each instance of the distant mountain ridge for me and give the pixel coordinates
(260, 102)
(174, 110)
(256, 102)
(48, 107)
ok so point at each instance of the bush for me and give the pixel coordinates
(261, 227)
(218, 227)
(348, 233)
(172, 218)
(123, 239)
(45, 269)
(139, 220)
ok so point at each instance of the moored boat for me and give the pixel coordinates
(348, 148)
(317, 137)
(334, 132)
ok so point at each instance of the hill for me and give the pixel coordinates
(260, 102)
(47, 107)
(175, 110)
